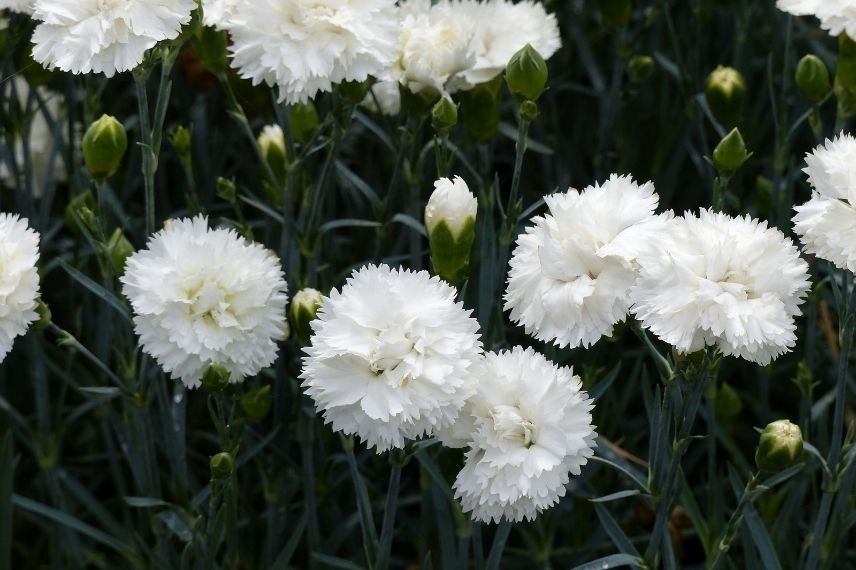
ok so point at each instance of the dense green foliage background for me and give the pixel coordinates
(104, 461)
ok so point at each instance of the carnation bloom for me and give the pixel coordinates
(835, 16)
(826, 223)
(451, 202)
(203, 297)
(502, 28)
(22, 6)
(19, 279)
(571, 272)
(104, 36)
(532, 429)
(307, 46)
(716, 280)
(392, 356)
(434, 46)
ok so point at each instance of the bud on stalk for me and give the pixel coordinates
(725, 91)
(527, 73)
(450, 220)
(304, 306)
(104, 145)
(780, 446)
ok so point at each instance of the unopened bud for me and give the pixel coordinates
(44, 313)
(119, 249)
(256, 404)
(222, 465)
(725, 91)
(104, 145)
(272, 144)
(81, 210)
(216, 377)
(640, 68)
(780, 446)
(450, 220)
(845, 77)
(303, 118)
(181, 139)
(812, 78)
(527, 73)
(730, 154)
(727, 403)
(302, 311)
(444, 115)
(226, 189)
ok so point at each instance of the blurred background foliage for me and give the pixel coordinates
(104, 461)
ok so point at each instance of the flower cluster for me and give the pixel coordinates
(205, 297)
(19, 279)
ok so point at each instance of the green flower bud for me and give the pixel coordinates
(257, 403)
(616, 13)
(444, 116)
(222, 465)
(44, 313)
(726, 91)
(119, 249)
(526, 73)
(480, 109)
(104, 145)
(304, 306)
(272, 144)
(730, 154)
(727, 403)
(216, 377)
(450, 220)
(812, 78)
(181, 139)
(845, 77)
(82, 207)
(780, 446)
(303, 119)
(226, 189)
(640, 68)
(354, 92)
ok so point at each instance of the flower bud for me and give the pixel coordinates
(256, 403)
(181, 140)
(640, 68)
(302, 311)
(730, 154)
(780, 446)
(216, 377)
(303, 118)
(812, 78)
(222, 465)
(480, 109)
(450, 220)
(272, 144)
(526, 74)
(119, 249)
(44, 313)
(727, 403)
(845, 77)
(444, 116)
(104, 145)
(725, 91)
(226, 189)
(616, 13)
(81, 209)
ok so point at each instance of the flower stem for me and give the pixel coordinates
(147, 152)
(389, 517)
(723, 543)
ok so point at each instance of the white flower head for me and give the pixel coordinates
(450, 202)
(571, 272)
(826, 223)
(434, 46)
(202, 297)
(104, 36)
(532, 430)
(393, 356)
(716, 280)
(307, 46)
(502, 29)
(19, 279)
(22, 6)
(836, 16)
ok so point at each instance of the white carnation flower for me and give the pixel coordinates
(434, 46)
(571, 272)
(203, 297)
(716, 280)
(392, 357)
(19, 279)
(307, 46)
(532, 430)
(450, 202)
(826, 223)
(836, 16)
(502, 28)
(104, 36)
(22, 6)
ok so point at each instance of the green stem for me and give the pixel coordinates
(147, 152)
(723, 542)
(389, 518)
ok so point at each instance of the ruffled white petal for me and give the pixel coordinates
(19, 279)
(836, 16)
(202, 297)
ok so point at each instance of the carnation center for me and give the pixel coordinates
(212, 303)
(393, 357)
(510, 425)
